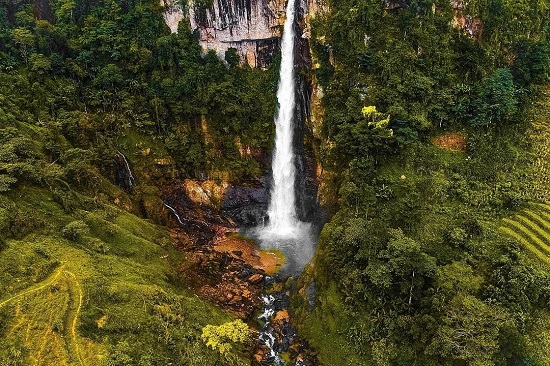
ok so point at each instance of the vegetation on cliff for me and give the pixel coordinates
(412, 269)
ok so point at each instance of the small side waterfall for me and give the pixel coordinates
(131, 181)
(174, 212)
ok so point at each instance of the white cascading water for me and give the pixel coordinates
(283, 220)
(284, 231)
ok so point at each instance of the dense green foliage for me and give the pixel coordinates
(80, 80)
(411, 269)
(99, 69)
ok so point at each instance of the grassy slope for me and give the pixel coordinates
(540, 139)
(112, 291)
(532, 229)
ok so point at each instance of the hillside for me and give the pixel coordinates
(136, 140)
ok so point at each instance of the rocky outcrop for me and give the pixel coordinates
(246, 205)
(252, 27)
(472, 26)
(173, 14)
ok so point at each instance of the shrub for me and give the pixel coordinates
(75, 230)
(5, 182)
(221, 337)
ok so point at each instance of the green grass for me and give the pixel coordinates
(544, 207)
(539, 184)
(539, 219)
(542, 233)
(111, 293)
(533, 249)
(531, 229)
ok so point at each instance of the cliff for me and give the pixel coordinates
(252, 27)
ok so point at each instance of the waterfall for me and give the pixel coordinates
(174, 212)
(284, 231)
(131, 181)
(283, 219)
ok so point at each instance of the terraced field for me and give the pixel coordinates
(538, 187)
(532, 229)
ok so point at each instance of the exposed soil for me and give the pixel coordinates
(452, 141)
(219, 275)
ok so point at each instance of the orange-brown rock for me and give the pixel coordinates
(472, 26)
(255, 278)
(268, 261)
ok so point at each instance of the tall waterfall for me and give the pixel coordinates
(283, 219)
(284, 231)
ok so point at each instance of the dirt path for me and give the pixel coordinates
(37, 287)
(73, 311)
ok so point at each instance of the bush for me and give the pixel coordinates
(223, 336)
(75, 230)
(6, 182)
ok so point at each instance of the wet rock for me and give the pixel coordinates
(256, 278)
(245, 273)
(281, 302)
(124, 176)
(395, 4)
(310, 294)
(247, 206)
(199, 220)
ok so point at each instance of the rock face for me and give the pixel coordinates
(252, 27)
(472, 26)
(247, 206)
(173, 14)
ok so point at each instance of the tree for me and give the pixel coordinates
(40, 63)
(469, 331)
(25, 39)
(498, 101)
(110, 77)
(223, 337)
(408, 263)
(232, 57)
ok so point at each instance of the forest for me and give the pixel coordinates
(436, 253)
(434, 150)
